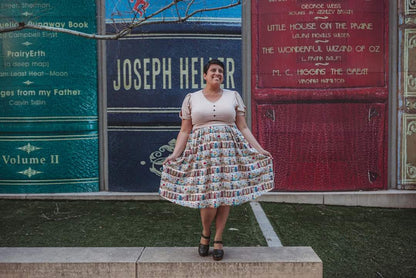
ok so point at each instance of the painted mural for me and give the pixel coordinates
(48, 99)
(320, 92)
(148, 74)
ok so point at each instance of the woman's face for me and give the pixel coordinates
(214, 75)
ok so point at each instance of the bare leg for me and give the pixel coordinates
(207, 217)
(221, 220)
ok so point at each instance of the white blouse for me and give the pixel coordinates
(204, 113)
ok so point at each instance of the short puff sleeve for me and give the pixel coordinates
(185, 113)
(240, 107)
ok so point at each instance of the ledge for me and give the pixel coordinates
(47, 262)
(384, 198)
(158, 262)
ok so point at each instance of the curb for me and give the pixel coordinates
(386, 198)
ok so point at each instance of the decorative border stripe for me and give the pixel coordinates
(183, 35)
(49, 182)
(410, 7)
(144, 110)
(49, 119)
(182, 38)
(170, 19)
(409, 79)
(143, 128)
(407, 168)
(49, 138)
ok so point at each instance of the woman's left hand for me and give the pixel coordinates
(264, 152)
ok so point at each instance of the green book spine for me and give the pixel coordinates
(48, 99)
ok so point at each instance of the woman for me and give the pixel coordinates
(216, 162)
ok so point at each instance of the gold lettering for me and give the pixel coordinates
(137, 82)
(54, 159)
(127, 74)
(116, 83)
(18, 160)
(230, 66)
(167, 69)
(146, 73)
(194, 73)
(155, 71)
(183, 73)
(361, 26)
(357, 71)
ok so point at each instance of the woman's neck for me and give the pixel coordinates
(212, 90)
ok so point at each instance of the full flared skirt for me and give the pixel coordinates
(218, 167)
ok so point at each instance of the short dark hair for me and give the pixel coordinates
(213, 62)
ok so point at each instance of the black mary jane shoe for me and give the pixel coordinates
(218, 254)
(203, 249)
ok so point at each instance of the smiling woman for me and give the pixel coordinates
(217, 163)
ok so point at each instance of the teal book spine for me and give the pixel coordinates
(48, 99)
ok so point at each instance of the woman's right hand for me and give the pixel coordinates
(170, 158)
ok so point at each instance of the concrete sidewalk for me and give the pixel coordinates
(158, 262)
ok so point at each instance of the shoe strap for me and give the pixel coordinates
(218, 241)
(206, 237)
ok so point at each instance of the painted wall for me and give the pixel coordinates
(148, 74)
(320, 91)
(48, 99)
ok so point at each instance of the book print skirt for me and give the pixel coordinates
(218, 167)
